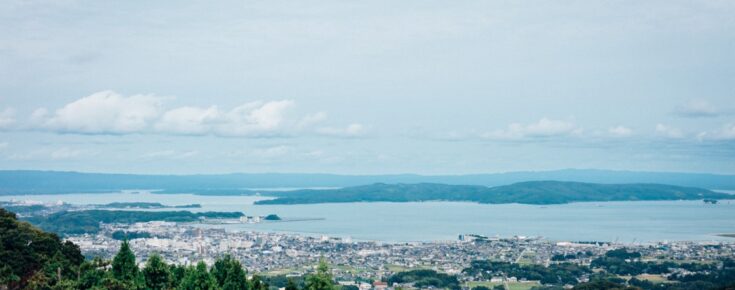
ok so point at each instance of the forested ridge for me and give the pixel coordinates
(532, 192)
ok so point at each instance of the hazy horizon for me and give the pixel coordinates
(378, 174)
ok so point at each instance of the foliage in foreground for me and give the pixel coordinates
(33, 259)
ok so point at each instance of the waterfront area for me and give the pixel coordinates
(295, 255)
(630, 221)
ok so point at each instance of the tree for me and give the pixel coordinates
(291, 285)
(92, 273)
(322, 280)
(258, 284)
(156, 273)
(178, 272)
(603, 284)
(198, 278)
(124, 267)
(28, 254)
(229, 274)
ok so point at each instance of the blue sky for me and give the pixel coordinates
(430, 87)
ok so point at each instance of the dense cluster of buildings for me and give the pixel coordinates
(289, 254)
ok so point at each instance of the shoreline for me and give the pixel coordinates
(727, 239)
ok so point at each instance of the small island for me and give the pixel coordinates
(272, 217)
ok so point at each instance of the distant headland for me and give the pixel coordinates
(534, 192)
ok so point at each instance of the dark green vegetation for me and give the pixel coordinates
(425, 279)
(573, 256)
(534, 192)
(272, 217)
(123, 235)
(29, 256)
(145, 205)
(28, 182)
(33, 259)
(606, 271)
(87, 221)
(564, 273)
(621, 262)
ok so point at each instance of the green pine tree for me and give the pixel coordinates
(125, 270)
(291, 285)
(177, 274)
(92, 273)
(198, 278)
(229, 274)
(322, 279)
(156, 273)
(256, 283)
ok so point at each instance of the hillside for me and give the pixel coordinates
(534, 192)
(88, 221)
(27, 252)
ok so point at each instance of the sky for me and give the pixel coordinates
(367, 87)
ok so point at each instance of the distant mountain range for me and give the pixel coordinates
(532, 192)
(52, 182)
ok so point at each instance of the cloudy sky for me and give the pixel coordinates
(432, 87)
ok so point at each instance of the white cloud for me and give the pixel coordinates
(64, 153)
(103, 112)
(187, 154)
(263, 153)
(272, 152)
(668, 132)
(164, 153)
(311, 119)
(620, 131)
(38, 117)
(726, 133)
(352, 130)
(4, 145)
(172, 154)
(7, 118)
(256, 118)
(108, 112)
(23, 156)
(696, 109)
(189, 120)
(544, 128)
(45, 154)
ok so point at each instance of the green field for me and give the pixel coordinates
(653, 278)
(527, 258)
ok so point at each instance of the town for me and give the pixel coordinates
(361, 263)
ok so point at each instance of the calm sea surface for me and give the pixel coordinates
(428, 221)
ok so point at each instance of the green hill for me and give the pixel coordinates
(28, 254)
(533, 192)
